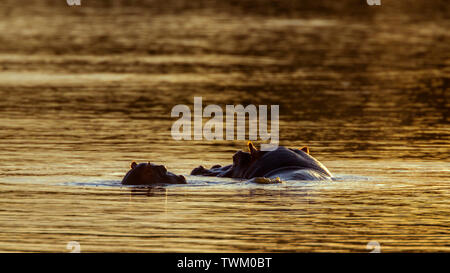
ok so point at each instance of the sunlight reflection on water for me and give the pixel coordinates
(78, 106)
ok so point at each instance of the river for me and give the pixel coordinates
(86, 90)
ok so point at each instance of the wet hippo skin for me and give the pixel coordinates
(285, 163)
(148, 173)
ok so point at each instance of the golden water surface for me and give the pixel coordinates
(86, 90)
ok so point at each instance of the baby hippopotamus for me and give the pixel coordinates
(284, 163)
(148, 173)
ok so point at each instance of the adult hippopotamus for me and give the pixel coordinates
(284, 163)
(148, 173)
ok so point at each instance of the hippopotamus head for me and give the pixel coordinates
(148, 173)
(256, 163)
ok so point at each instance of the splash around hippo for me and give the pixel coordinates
(282, 163)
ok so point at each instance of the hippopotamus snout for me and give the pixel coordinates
(216, 170)
(148, 173)
(200, 170)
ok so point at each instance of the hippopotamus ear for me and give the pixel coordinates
(305, 149)
(252, 148)
(133, 165)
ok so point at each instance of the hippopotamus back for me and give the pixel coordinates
(285, 163)
(284, 160)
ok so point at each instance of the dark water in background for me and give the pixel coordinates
(86, 90)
